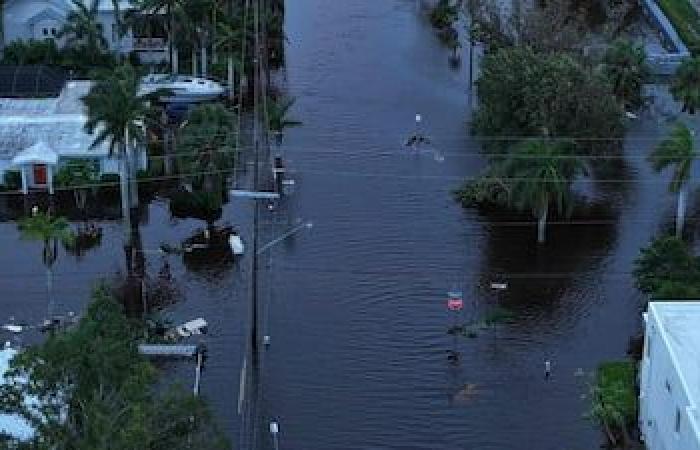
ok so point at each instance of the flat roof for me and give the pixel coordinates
(58, 121)
(680, 329)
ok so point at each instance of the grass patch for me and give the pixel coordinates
(616, 400)
(685, 20)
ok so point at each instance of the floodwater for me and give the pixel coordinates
(356, 307)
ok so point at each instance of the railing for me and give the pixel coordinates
(149, 43)
(664, 64)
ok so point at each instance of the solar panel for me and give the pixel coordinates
(31, 81)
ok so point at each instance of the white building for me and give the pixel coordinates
(670, 377)
(43, 19)
(37, 136)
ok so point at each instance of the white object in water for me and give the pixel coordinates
(274, 427)
(236, 244)
(499, 286)
(266, 339)
(193, 327)
(631, 115)
(12, 328)
(418, 118)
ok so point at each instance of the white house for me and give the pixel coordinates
(670, 377)
(37, 136)
(42, 19)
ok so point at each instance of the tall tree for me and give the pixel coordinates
(117, 114)
(172, 10)
(49, 231)
(685, 86)
(539, 174)
(625, 66)
(97, 393)
(205, 154)
(82, 29)
(677, 151)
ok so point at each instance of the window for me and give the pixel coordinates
(677, 426)
(45, 31)
(668, 386)
(53, 32)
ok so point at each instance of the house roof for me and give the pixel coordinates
(679, 328)
(58, 121)
(38, 153)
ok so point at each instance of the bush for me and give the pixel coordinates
(12, 180)
(443, 15)
(46, 52)
(668, 270)
(32, 52)
(204, 206)
(614, 399)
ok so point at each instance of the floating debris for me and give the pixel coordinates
(499, 286)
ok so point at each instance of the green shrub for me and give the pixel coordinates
(77, 172)
(12, 180)
(201, 205)
(443, 15)
(32, 52)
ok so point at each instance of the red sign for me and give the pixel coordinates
(454, 304)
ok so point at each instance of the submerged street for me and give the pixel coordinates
(356, 307)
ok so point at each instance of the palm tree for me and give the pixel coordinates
(277, 120)
(678, 150)
(205, 154)
(205, 146)
(685, 86)
(539, 173)
(625, 66)
(230, 35)
(49, 230)
(117, 114)
(82, 29)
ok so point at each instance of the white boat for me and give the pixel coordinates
(236, 244)
(184, 88)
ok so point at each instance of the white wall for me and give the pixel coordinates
(658, 403)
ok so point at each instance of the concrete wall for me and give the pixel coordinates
(663, 396)
(664, 64)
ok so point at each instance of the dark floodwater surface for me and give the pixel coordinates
(356, 307)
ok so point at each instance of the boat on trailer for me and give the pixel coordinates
(182, 88)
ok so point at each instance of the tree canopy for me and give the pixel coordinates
(96, 392)
(667, 269)
(525, 93)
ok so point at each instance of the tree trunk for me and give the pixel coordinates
(169, 150)
(204, 58)
(231, 78)
(49, 291)
(680, 212)
(542, 223)
(194, 62)
(124, 193)
(171, 38)
(175, 61)
(131, 161)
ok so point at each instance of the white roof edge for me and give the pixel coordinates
(655, 307)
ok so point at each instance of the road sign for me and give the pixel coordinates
(455, 303)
